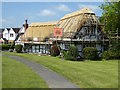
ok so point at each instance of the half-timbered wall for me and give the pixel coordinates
(37, 48)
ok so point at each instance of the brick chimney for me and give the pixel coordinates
(25, 25)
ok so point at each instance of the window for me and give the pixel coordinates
(5, 34)
(67, 46)
(11, 35)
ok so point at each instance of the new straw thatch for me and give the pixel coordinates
(73, 22)
(39, 31)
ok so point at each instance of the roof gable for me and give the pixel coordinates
(1, 30)
(39, 24)
(82, 11)
(16, 30)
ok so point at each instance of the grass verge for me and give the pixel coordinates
(87, 74)
(17, 75)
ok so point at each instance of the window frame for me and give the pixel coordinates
(11, 35)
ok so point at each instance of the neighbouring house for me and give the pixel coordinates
(1, 36)
(81, 28)
(23, 28)
(10, 34)
(21, 32)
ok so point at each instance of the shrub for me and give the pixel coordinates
(114, 51)
(7, 46)
(110, 55)
(55, 50)
(90, 53)
(18, 48)
(71, 54)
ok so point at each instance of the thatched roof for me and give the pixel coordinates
(39, 31)
(43, 24)
(78, 12)
(71, 23)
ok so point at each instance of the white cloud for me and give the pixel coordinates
(3, 21)
(47, 12)
(8, 22)
(93, 7)
(63, 7)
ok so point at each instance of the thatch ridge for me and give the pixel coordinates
(35, 24)
(78, 12)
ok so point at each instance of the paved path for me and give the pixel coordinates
(53, 79)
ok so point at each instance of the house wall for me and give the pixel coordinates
(37, 48)
(14, 34)
(6, 34)
(88, 34)
(22, 30)
(9, 34)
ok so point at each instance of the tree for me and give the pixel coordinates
(111, 16)
(113, 52)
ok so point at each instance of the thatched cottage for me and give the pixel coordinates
(81, 28)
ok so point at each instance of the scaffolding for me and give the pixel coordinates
(86, 21)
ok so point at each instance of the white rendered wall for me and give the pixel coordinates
(5, 34)
(14, 35)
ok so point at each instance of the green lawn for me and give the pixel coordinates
(17, 75)
(87, 74)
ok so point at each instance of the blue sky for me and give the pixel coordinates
(14, 13)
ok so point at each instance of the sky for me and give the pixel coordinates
(15, 13)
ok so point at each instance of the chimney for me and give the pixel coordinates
(25, 25)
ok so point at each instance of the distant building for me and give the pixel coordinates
(1, 36)
(21, 32)
(10, 34)
(81, 28)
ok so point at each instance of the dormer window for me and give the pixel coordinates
(11, 34)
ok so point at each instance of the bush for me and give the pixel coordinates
(72, 53)
(114, 51)
(18, 48)
(7, 46)
(55, 50)
(110, 55)
(90, 53)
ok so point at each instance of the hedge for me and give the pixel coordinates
(111, 55)
(6, 47)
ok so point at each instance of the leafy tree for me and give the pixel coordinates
(113, 52)
(111, 16)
